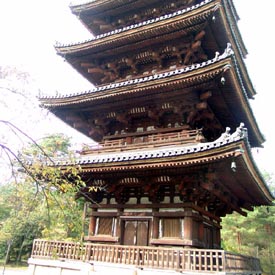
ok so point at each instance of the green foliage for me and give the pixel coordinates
(253, 235)
(53, 146)
(5, 203)
(40, 203)
(24, 221)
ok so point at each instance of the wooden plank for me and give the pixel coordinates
(200, 261)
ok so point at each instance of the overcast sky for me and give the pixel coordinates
(29, 29)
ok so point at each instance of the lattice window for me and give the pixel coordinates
(163, 179)
(137, 110)
(111, 115)
(166, 105)
(104, 226)
(171, 228)
(128, 180)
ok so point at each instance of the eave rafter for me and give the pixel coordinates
(146, 30)
(226, 19)
(179, 78)
(221, 67)
(224, 10)
(222, 193)
(205, 189)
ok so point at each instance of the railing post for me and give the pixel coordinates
(177, 267)
(184, 260)
(224, 261)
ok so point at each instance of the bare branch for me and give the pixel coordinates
(12, 127)
(27, 170)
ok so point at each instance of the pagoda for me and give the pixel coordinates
(171, 117)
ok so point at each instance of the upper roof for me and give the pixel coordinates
(92, 13)
(218, 15)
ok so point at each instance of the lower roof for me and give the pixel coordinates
(244, 180)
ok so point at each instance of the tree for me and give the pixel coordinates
(41, 201)
(254, 234)
(24, 222)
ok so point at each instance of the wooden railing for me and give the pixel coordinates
(191, 260)
(147, 140)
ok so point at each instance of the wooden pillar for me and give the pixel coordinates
(92, 224)
(217, 238)
(84, 216)
(188, 226)
(201, 232)
(155, 226)
(120, 228)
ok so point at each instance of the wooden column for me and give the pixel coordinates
(201, 232)
(119, 229)
(155, 229)
(217, 238)
(92, 224)
(188, 226)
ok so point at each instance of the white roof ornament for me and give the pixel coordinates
(224, 135)
(228, 51)
(240, 132)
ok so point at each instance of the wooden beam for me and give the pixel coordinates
(205, 95)
(73, 118)
(86, 65)
(95, 70)
(160, 206)
(220, 194)
(201, 105)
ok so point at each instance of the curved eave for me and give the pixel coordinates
(191, 75)
(104, 9)
(233, 19)
(228, 17)
(246, 182)
(204, 72)
(153, 29)
(245, 106)
(97, 6)
(251, 167)
(182, 19)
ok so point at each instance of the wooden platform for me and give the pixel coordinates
(191, 261)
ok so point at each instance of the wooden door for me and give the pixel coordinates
(136, 233)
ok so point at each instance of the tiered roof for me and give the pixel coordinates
(217, 16)
(230, 95)
(242, 181)
(212, 86)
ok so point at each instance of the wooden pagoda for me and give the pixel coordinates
(171, 117)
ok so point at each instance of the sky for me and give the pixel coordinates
(30, 28)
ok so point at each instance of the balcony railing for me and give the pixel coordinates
(146, 140)
(181, 260)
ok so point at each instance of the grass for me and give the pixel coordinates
(22, 265)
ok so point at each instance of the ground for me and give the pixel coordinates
(13, 271)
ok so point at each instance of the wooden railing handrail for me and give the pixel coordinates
(151, 140)
(179, 259)
(149, 132)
